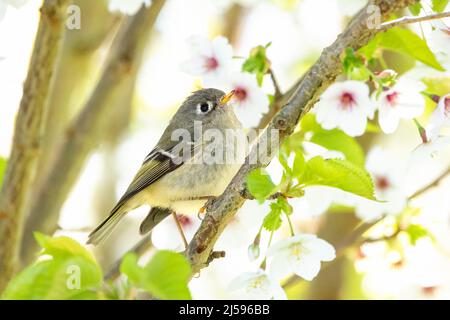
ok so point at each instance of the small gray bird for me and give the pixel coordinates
(172, 182)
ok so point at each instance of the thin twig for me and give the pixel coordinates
(276, 85)
(433, 184)
(410, 20)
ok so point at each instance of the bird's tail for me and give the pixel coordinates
(107, 226)
(155, 216)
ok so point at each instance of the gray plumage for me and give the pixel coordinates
(168, 185)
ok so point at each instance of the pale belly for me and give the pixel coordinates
(177, 189)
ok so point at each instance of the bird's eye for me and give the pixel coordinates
(204, 107)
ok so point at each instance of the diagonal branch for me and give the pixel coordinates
(81, 137)
(318, 78)
(30, 124)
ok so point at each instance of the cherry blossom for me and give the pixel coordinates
(258, 286)
(211, 60)
(300, 254)
(439, 39)
(440, 117)
(166, 234)
(402, 101)
(250, 101)
(429, 151)
(128, 7)
(345, 105)
(388, 177)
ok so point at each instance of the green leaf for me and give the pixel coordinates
(295, 192)
(257, 63)
(2, 169)
(309, 123)
(299, 165)
(284, 205)
(260, 184)
(415, 232)
(283, 158)
(272, 220)
(415, 8)
(337, 140)
(70, 273)
(354, 65)
(439, 5)
(61, 247)
(341, 174)
(407, 42)
(166, 276)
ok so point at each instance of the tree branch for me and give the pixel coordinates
(30, 124)
(320, 76)
(431, 185)
(81, 137)
(410, 20)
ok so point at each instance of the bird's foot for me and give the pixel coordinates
(202, 210)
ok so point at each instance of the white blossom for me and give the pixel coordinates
(301, 254)
(402, 101)
(258, 286)
(166, 234)
(345, 105)
(128, 7)
(211, 60)
(439, 39)
(440, 117)
(426, 152)
(250, 101)
(388, 176)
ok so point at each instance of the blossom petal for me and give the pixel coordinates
(321, 249)
(279, 268)
(305, 268)
(388, 119)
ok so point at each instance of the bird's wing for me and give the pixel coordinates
(159, 162)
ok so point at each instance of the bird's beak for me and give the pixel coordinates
(226, 98)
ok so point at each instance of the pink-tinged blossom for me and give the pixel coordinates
(210, 60)
(440, 117)
(250, 101)
(388, 176)
(345, 105)
(402, 101)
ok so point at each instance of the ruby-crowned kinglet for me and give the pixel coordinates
(168, 181)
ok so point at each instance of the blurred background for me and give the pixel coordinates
(391, 266)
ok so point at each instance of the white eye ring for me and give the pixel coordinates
(204, 107)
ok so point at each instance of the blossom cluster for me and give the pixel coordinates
(214, 62)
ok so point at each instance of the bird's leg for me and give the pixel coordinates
(203, 209)
(180, 230)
